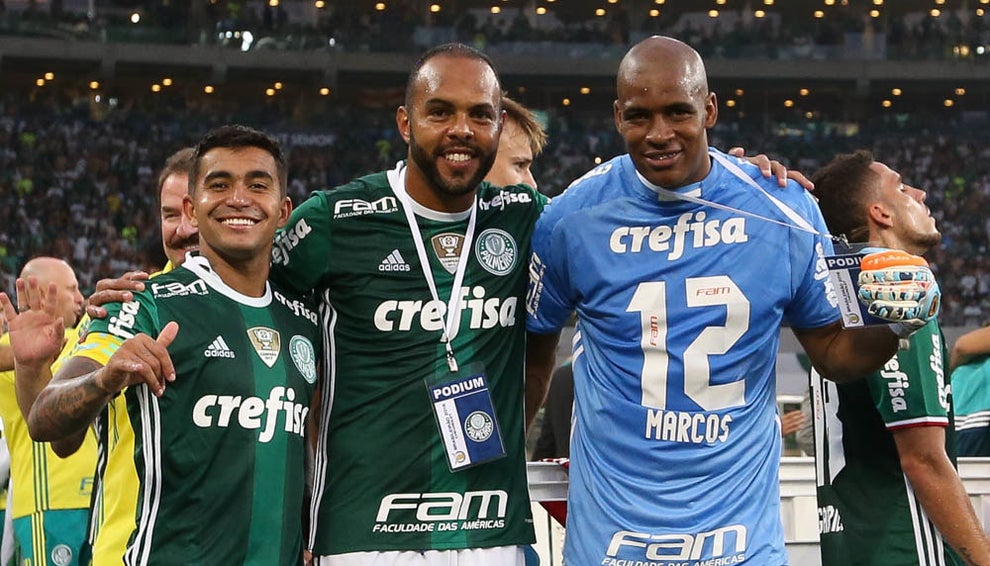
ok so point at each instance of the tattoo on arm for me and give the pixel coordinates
(70, 402)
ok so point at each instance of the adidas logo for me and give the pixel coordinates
(218, 349)
(393, 262)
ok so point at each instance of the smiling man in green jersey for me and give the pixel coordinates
(219, 369)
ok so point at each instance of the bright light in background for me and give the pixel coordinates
(598, 160)
(49, 76)
(600, 12)
(712, 13)
(654, 13)
(273, 3)
(93, 85)
(278, 86)
(324, 91)
(247, 40)
(496, 9)
(886, 103)
(896, 91)
(320, 4)
(759, 14)
(380, 6)
(135, 17)
(740, 92)
(803, 92)
(935, 12)
(585, 90)
(40, 82)
(208, 89)
(434, 8)
(730, 103)
(788, 103)
(566, 102)
(166, 82)
(948, 102)
(541, 10)
(156, 87)
(960, 92)
(819, 14)
(270, 92)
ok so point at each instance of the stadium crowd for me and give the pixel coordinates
(406, 26)
(83, 189)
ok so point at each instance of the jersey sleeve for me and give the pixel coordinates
(301, 251)
(123, 321)
(910, 389)
(549, 300)
(815, 303)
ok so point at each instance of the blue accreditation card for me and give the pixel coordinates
(843, 271)
(466, 419)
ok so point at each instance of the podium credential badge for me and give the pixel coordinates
(466, 420)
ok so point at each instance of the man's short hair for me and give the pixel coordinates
(527, 123)
(449, 50)
(843, 187)
(179, 163)
(236, 136)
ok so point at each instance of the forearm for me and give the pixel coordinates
(29, 380)
(6, 358)
(941, 493)
(67, 407)
(541, 356)
(944, 499)
(844, 355)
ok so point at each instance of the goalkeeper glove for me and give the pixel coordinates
(898, 287)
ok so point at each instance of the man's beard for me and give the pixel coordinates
(428, 165)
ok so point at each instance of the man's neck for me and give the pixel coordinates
(247, 277)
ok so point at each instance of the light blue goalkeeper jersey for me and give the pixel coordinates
(676, 444)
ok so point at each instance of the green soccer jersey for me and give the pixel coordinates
(383, 478)
(867, 512)
(220, 457)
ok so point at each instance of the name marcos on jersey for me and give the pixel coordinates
(480, 312)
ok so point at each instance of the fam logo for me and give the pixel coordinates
(496, 251)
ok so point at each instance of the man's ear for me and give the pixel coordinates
(878, 214)
(189, 210)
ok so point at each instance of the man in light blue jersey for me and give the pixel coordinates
(682, 262)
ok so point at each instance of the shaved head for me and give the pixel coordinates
(53, 270)
(661, 53)
(663, 110)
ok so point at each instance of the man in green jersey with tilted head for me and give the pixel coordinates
(217, 368)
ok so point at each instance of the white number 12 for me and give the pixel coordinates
(650, 301)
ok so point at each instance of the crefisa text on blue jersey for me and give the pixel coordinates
(694, 428)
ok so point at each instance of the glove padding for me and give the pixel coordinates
(899, 287)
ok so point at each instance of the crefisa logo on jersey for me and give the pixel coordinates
(496, 251)
(304, 356)
(478, 426)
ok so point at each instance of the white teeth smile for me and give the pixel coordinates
(239, 222)
(458, 157)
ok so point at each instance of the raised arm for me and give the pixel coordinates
(82, 387)
(844, 355)
(541, 355)
(968, 346)
(937, 485)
